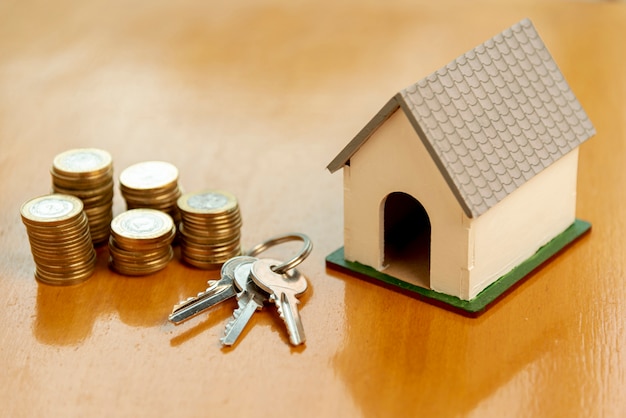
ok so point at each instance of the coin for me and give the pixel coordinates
(153, 185)
(60, 242)
(51, 209)
(149, 175)
(143, 267)
(207, 202)
(140, 241)
(90, 162)
(210, 228)
(142, 224)
(87, 173)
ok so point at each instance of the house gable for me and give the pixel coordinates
(491, 119)
(392, 161)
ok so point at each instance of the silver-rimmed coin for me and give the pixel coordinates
(142, 224)
(51, 209)
(149, 175)
(91, 162)
(207, 202)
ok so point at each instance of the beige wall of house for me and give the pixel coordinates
(394, 160)
(522, 222)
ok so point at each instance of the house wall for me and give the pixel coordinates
(521, 223)
(393, 159)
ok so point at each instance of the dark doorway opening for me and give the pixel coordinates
(407, 239)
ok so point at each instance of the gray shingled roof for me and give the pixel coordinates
(491, 119)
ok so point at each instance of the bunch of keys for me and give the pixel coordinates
(254, 281)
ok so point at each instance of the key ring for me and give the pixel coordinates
(295, 236)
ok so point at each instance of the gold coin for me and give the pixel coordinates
(60, 262)
(142, 224)
(213, 233)
(64, 280)
(233, 220)
(169, 193)
(90, 192)
(205, 265)
(67, 266)
(149, 175)
(53, 209)
(60, 247)
(146, 263)
(89, 162)
(83, 181)
(141, 269)
(73, 224)
(61, 270)
(208, 263)
(209, 242)
(130, 255)
(207, 202)
(130, 244)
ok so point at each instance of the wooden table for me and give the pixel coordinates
(256, 98)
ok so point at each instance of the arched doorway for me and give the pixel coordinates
(406, 239)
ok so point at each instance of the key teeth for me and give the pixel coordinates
(236, 314)
(292, 336)
(181, 303)
(186, 301)
(189, 299)
(279, 307)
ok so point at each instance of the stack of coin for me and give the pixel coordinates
(210, 230)
(58, 231)
(140, 241)
(153, 185)
(87, 174)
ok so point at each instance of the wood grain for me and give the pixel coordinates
(256, 98)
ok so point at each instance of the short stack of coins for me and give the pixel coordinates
(87, 173)
(153, 185)
(58, 231)
(210, 231)
(140, 242)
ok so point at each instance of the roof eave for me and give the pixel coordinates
(395, 103)
(353, 146)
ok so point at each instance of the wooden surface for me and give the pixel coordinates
(256, 97)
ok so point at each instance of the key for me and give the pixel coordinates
(229, 268)
(217, 292)
(283, 290)
(250, 299)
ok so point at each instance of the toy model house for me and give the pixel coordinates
(468, 173)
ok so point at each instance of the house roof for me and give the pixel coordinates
(491, 119)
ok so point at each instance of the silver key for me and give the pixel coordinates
(250, 299)
(217, 292)
(229, 268)
(283, 289)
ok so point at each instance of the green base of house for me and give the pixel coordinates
(337, 262)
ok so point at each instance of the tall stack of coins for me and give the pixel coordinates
(58, 231)
(210, 230)
(87, 174)
(140, 241)
(153, 185)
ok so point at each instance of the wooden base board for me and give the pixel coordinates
(477, 305)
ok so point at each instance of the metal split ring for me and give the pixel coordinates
(299, 258)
